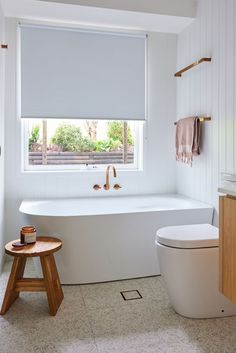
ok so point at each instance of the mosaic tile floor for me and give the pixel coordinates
(96, 319)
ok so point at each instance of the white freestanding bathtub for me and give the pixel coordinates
(110, 238)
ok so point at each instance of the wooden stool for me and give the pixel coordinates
(44, 248)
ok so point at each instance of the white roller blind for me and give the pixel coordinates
(70, 73)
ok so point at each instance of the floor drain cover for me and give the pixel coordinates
(131, 294)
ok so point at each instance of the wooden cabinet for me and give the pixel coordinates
(227, 247)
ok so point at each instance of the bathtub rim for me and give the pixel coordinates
(26, 203)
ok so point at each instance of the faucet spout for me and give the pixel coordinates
(107, 185)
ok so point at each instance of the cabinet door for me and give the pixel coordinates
(228, 247)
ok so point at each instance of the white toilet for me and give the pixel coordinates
(189, 262)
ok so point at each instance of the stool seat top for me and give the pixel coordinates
(43, 246)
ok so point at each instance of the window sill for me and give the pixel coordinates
(80, 171)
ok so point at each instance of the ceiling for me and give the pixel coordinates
(152, 15)
(183, 8)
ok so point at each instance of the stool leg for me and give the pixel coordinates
(58, 288)
(52, 283)
(17, 272)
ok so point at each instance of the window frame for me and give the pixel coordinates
(134, 167)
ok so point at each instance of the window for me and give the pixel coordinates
(57, 144)
(91, 88)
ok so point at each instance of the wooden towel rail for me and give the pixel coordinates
(202, 119)
(179, 73)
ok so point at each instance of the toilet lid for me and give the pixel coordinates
(189, 236)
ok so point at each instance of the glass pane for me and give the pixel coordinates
(80, 142)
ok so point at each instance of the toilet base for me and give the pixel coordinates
(192, 281)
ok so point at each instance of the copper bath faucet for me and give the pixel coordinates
(107, 186)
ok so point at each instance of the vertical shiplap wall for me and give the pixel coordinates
(2, 73)
(209, 90)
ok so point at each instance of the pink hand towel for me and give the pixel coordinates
(187, 139)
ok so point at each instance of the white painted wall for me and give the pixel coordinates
(159, 162)
(2, 76)
(209, 89)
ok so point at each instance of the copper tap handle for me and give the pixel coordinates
(96, 187)
(117, 186)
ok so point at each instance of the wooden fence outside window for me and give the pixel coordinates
(54, 158)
